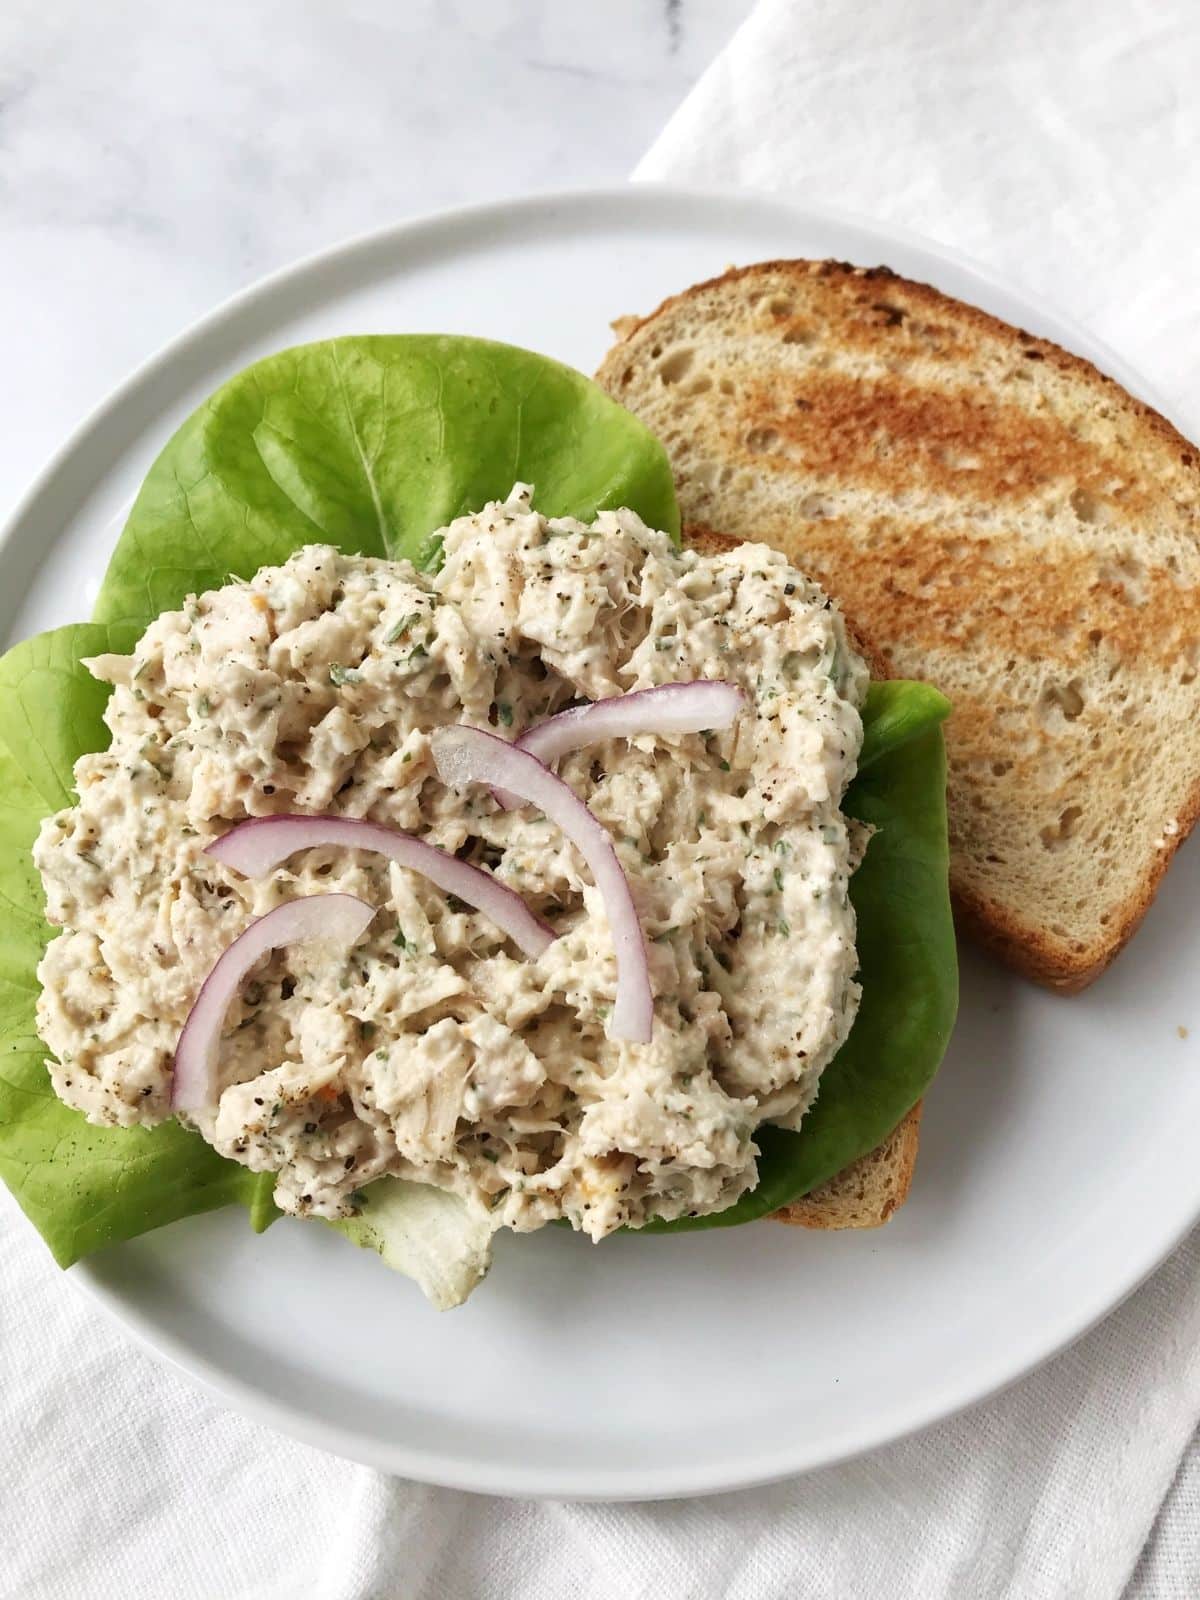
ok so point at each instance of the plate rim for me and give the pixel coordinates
(416, 1461)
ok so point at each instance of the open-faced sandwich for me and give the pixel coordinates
(429, 853)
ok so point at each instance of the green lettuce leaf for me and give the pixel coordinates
(908, 964)
(81, 1187)
(427, 1234)
(896, 711)
(369, 444)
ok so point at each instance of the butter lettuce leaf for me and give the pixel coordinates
(427, 1234)
(370, 444)
(897, 711)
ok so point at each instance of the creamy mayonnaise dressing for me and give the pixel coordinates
(433, 1050)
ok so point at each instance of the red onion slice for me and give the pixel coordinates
(670, 708)
(340, 918)
(258, 846)
(469, 755)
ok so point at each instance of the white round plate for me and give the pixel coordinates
(1057, 1163)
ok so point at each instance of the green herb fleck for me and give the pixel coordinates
(338, 675)
(724, 765)
(505, 712)
(432, 553)
(778, 877)
(400, 627)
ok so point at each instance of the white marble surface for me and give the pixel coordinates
(156, 157)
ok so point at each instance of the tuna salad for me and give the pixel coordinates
(444, 1039)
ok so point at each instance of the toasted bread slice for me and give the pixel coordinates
(869, 1190)
(996, 517)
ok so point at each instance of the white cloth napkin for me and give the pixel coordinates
(1059, 141)
(119, 1481)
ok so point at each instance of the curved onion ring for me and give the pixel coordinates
(340, 918)
(670, 708)
(258, 846)
(469, 755)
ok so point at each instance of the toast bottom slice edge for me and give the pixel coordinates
(868, 1192)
